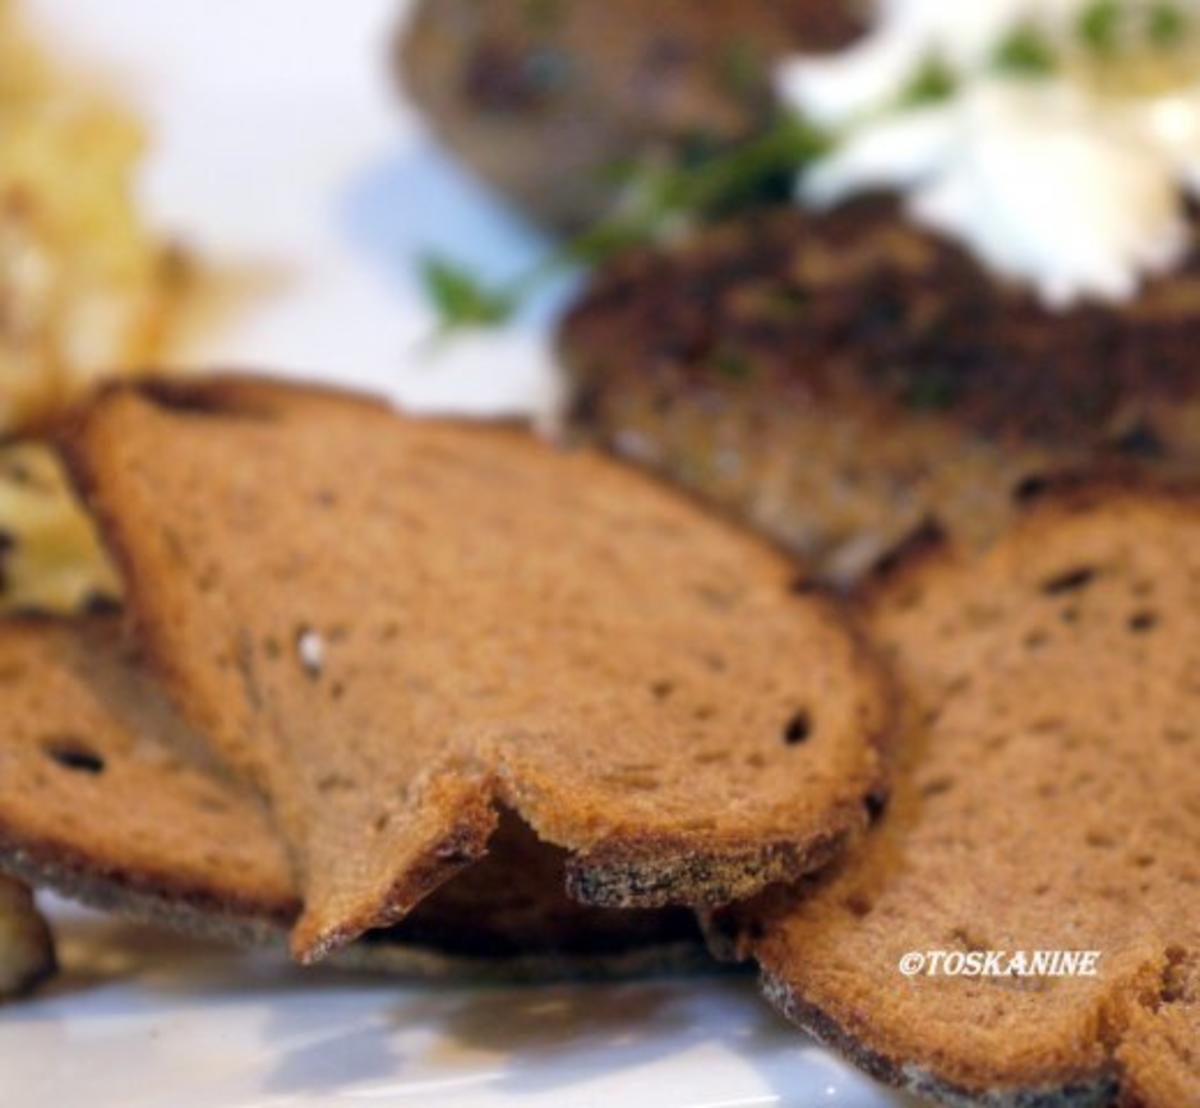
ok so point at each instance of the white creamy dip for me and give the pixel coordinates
(1050, 178)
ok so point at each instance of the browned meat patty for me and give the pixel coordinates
(542, 98)
(838, 379)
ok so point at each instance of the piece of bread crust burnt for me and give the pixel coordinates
(107, 797)
(390, 626)
(1045, 798)
(839, 378)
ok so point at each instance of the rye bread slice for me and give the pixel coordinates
(1047, 796)
(391, 625)
(106, 796)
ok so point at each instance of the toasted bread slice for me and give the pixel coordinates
(27, 955)
(1047, 797)
(836, 378)
(390, 625)
(106, 796)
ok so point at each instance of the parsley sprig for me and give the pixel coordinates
(658, 201)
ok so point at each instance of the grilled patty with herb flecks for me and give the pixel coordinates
(840, 378)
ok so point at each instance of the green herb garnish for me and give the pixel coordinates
(931, 84)
(659, 200)
(461, 299)
(1166, 24)
(1100, 26)
(1025, 52)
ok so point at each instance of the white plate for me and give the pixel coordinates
(279, 143)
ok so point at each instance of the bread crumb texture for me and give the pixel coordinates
(390, 626)
(1047, 796)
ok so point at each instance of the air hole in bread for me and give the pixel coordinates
(798, 728)
(1100, 839)
(937, 786)
(336, 782)
(101, 604)
(1069, 580)
(1143, 620)
(858, 904)
(1036, 639)
(1176, 736)
(660, 690)
(1140, 441)
(1029, 488)
(1069, 614)
(805, 585)
(875, 804)
(710, 757)
(73, 753)
(1174, 976)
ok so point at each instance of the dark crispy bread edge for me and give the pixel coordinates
(1097, 1091)
(196, 912)
(154, 897)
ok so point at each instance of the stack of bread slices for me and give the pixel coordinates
(444, 697)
